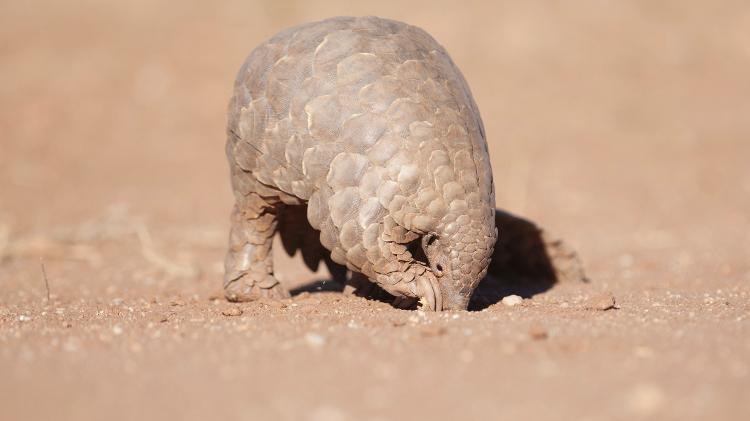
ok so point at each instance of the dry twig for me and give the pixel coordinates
(44, 274)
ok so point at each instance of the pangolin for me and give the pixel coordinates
(366, 127)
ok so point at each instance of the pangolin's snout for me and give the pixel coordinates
(460, 261)
(452, 298)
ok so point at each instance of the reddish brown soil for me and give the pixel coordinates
(620, 126)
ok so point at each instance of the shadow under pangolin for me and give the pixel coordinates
(526, 262)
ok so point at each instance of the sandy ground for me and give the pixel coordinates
(621, 127)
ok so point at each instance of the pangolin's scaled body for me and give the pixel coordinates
(370, 124)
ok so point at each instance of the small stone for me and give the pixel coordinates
(602, 302)
(117, 330)
(24, 318)
(232, 311)
(315, 340)
(512, 300)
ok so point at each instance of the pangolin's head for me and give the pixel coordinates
(459, 253)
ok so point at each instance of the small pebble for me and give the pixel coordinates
(602, 302)
(232, 311)
(512, 300)
(117, 330)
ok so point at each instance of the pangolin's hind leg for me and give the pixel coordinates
(248, 267)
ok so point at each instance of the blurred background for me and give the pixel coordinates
(628, 119)
(621, 126)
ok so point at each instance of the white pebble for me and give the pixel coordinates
(512, 300)
(117, 330)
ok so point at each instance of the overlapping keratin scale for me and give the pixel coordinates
(369, 122)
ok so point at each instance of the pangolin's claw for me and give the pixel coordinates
(429, 292)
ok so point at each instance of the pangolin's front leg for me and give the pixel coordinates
(396, 270)
(249, 261)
